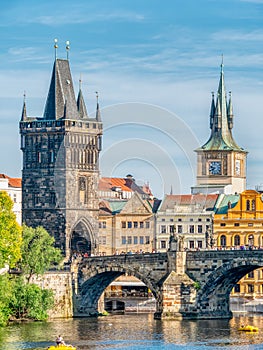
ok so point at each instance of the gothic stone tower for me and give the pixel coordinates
(61, 166)
(221, 163)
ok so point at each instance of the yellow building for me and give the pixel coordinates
(238, 224)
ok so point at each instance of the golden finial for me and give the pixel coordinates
(55, 47)
(67, 48)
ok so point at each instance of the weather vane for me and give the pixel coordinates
(67, 48)
(55, 46)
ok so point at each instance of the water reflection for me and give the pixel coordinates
(135, 331)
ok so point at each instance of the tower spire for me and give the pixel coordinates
(98, 116)
(24, 114)
(81, 103)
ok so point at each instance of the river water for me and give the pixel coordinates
(135, 331)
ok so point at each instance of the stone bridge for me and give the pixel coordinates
(193, 284)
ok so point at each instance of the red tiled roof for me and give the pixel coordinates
(107, 183)
(205, 200)
(12, 181)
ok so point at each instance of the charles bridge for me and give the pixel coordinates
(186, 284)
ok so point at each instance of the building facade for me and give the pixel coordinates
(238, 224)
(187, 216)
(13, 187)
(221, 163)
(61, 166)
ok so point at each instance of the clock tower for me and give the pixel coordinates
(221, 163)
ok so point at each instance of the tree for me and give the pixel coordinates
(10, 233)
(38, 251)
(30, 301)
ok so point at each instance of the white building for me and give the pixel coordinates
(13, 186)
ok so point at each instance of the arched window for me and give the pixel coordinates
(237, 240)
(248, 204)
(253, 205)
(250, 240)
(223, 241)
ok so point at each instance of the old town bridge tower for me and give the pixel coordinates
(61, 166)
(221, 163)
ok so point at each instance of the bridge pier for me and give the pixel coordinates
(178, 293)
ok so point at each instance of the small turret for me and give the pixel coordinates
(24, 114)
(81, 104)
(212, 111)
(98, 116)
(230, 115)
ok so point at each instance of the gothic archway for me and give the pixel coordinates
(82, 238)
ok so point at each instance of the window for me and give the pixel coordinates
(171, 219)
(179, 229)
(135, 240)
(237, 240)
(129, 224)
(250, 274)
(123, 240)
(147, 239)
(179, 219)
(199, 219)
(251, 240)
(135, 224)
(248, 204)
(147, 224)
(141, 240)
(199, 228)
(253, 204)
(141, 224)
(129, 240)
(163, 244)
(191, 220)
(163, 219)
(250, 224)
(191, 244)
(163, 229)
(237, 288)
(14, 198)
(123, 224)
(222, 224)
(250, 288)
(236, 224)
(191, 228)
(200, 244)
(104, 224)
(207, 219)
(171, 229)
(102, 240)
(223, 241)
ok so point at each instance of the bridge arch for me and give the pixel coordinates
(216, 288)
(94, 279)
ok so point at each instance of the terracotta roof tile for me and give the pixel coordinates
(12, 181)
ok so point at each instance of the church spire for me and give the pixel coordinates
(24, 114)
(221, 120)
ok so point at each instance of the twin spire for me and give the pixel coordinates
(61, 102)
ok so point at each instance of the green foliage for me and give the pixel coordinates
(6, 289)
(10, 233)
(197, 285)
(30, 301)
(38, 251)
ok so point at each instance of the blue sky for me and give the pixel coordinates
(154, 64)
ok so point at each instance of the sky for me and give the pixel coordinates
(154, 64)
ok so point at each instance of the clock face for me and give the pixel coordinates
(215, 168)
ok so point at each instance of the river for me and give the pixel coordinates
(135, 331)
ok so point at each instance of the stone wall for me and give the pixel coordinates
(61, 284)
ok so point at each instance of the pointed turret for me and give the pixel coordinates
(98, 116)
(24, 114)
(230, 115)
(212, 111)
(221, 121)
(81, 104)
(60, 90)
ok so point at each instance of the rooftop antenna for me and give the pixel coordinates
(97, 96)
(55, 47)
(67, 48)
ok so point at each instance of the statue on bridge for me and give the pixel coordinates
(176, 243)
